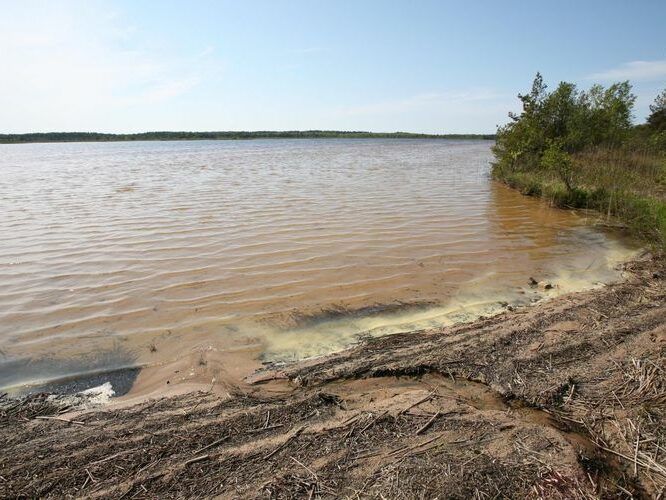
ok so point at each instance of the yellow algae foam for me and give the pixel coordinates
(479, 297)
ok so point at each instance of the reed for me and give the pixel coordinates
(628, 186)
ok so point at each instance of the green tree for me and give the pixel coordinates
(565, 120)
(657, 119)
(560, 162)
(609, 114)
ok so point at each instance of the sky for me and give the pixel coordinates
(417, 66)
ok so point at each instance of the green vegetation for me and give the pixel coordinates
(191, 136)
(579, 149)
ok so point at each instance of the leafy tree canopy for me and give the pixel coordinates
(563, 122)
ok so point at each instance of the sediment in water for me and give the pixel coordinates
(566, 399)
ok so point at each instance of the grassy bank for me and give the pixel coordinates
(626, 185)
(580, 149)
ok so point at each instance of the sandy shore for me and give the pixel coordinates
(565, 399)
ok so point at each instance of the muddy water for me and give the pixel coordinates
(199, 260)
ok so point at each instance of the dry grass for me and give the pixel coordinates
(635, 428)
(638, 172)
(627, 188)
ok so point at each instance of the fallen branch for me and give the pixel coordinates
(61, 419)
(428, 424)
(373, 421)
(422, 400)
(262, 429)
(111, 457)
(404, 449)
(214, 443)
(283, 445)
(196, 459)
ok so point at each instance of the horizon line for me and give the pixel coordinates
(32, 137)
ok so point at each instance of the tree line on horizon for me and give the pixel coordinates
(227, 135)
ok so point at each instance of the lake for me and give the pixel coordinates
(200, 260)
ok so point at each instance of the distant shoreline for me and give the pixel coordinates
(228, 135)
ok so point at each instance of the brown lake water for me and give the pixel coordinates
(202, 259)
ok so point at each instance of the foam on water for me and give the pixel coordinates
(480, 297)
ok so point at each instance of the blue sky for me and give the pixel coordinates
(419, 66)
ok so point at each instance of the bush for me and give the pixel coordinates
(579, 149)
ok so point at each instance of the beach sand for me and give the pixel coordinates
(563, 399)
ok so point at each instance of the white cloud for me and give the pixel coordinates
(206, 52)
(169, 89)
(436, 112)
(80, 66)
(419, 102)
(634, 71)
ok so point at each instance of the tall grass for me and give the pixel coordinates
(625, 184)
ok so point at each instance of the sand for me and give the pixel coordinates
(563, 399)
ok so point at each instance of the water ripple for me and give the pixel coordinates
(232, 243)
